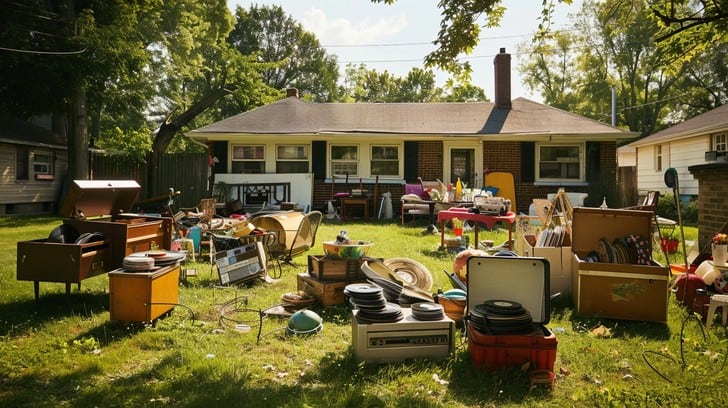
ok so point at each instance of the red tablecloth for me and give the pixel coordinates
(463, 215)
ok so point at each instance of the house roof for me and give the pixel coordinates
(708, 122)
(295, 116)
(16, 131)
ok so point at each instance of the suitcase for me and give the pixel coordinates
(509, 281)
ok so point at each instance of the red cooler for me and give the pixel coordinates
(509, 281)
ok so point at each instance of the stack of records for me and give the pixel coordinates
(137, 264)
(502, 317)
(391, 290)
(427, 311)
(373, 307)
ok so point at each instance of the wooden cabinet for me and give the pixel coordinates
(40, 260)
(143, 296)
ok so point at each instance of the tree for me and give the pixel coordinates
(609, 45)
(365, 85)
(679, 16)
(460, 29)
(298, 60)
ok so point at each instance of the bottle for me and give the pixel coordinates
(458, 190)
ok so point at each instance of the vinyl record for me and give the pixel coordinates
(411, 272)
(505, 305)
(362, 289)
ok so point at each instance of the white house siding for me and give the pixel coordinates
(678, 154)
(31, 191)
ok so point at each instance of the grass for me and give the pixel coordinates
(64, 351)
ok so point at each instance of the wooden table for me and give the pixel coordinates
(363, 202)
(464, 215)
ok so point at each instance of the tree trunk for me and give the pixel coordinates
(78, 138)
(166, 133)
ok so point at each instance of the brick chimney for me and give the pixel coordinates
(291, 92)
(502, 72)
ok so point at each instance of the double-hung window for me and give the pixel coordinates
(42, 165)
(248, 159)
(385, 160)
(292, 159)
(560, 162)
(345, 160)
(720, 144)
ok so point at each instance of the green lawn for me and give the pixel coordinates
(64, 351)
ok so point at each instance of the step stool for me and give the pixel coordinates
(717, 301)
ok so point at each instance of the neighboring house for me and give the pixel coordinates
(34, 164)
(699, 140)
(543, 147)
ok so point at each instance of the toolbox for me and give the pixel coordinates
(99, 206)
(616, 290)
(509, 280)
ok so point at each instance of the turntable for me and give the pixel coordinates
(407, 338)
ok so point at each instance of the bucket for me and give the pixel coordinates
(195, 234)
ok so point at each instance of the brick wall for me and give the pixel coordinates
(506, 157)
(712, 199)
(497, 156)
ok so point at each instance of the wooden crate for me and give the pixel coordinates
(347, 270)
(326, 293)
(143, 296)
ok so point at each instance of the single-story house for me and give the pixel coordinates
(696, 141)
(34, 163)
(395, 143)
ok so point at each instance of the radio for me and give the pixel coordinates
(405, 339)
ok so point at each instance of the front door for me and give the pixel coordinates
(462, 165)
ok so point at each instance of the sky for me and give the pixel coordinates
(397, 37)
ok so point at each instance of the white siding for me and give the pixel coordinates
(680, 155)
(29, 191)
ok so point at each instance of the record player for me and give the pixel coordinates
(404, 339)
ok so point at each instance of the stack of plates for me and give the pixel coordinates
(427, 311)
(137, 263)
(160, 257)
(370, 301)
(502, 317)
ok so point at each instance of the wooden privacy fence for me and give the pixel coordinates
(184, 172)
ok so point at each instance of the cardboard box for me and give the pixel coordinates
(347, 270)
(516, 279)
(326, 293)
(560, 264)
(40, 260)
(618, 291)
(143, 296)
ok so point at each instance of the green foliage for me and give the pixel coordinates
(133, 143)
(296, 58)
(364, 85)
(666, 207)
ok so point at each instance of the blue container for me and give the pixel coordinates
(195, 234)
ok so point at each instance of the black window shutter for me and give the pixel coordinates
(220, 150)
(528, 162)
(318, 159)
(592, 161)
(411, 161)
